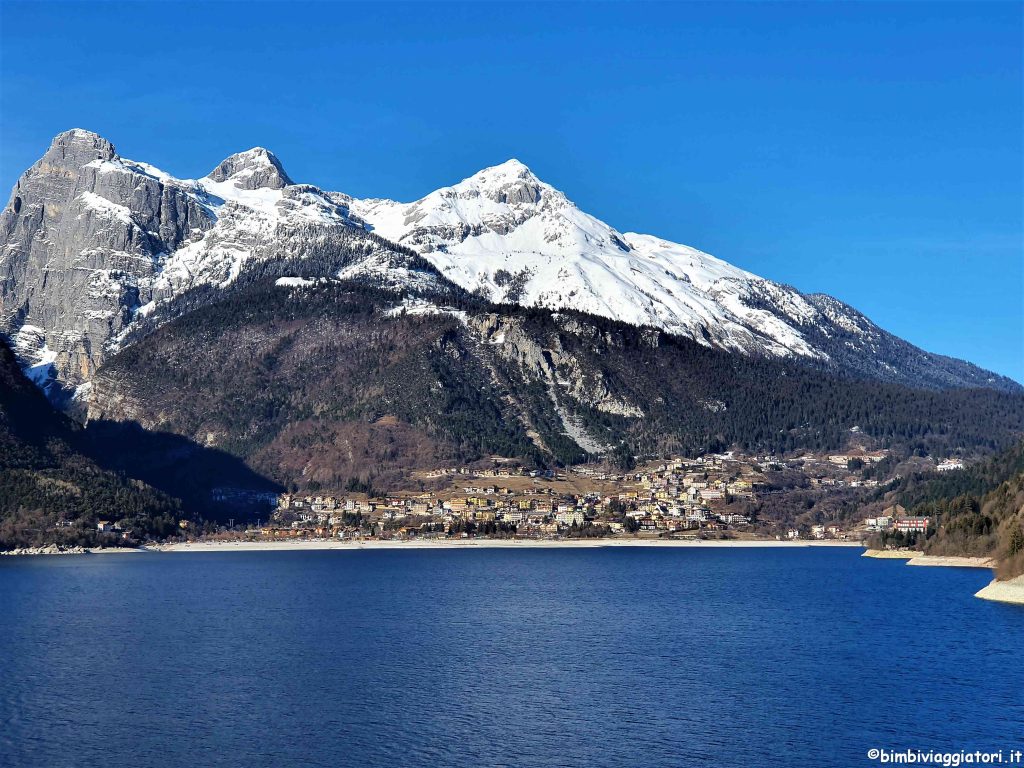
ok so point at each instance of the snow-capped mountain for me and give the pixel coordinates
(96, 249)
(508, 235)
(92, 243)
(505, 234)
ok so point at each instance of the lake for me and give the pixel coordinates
(567, 657)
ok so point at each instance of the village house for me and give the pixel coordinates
(697, 516)
(735, 519)
(569, 516)
(912, 524)
(880, 523)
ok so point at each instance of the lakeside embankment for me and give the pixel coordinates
(953, 561)
(56, 549)
(891, 554)
(1009, 591)
(914, 557)
(49, 549)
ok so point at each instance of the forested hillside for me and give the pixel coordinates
(331, 384)
(977, 511)
(46, 480)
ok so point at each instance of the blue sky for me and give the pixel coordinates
(871, 151)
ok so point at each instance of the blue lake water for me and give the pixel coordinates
(572, 657)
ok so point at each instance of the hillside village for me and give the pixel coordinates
(806, 496)
(713, 496)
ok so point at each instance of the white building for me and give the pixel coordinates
(570, 517)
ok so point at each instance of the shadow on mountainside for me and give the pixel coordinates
(208, 481)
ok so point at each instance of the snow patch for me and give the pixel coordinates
(296, 282)
(105, 207)
(82, 392)
(35, 357)
(423, 307)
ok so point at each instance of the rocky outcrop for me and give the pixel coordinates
(82, 236)
(254, 169)
(94, 247)
(49, 549)
(568, 381)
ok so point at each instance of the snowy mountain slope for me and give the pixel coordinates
(510, 236)
(91, 243)
(505, 234)
(97, 250)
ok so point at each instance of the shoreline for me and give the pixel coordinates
(332, 544)
(1010, 591)
(891, 554)
(356, 544)
(53, 549)
(913, 557)
(953, 561)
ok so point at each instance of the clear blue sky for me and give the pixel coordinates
(870, 151)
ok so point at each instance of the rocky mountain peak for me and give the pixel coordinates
(256, 168)
(81, 242)
(511, 167)
(79, 147)
(510, 182)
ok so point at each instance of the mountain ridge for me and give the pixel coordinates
(507, 235)
(94, 244)
(97, 248)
